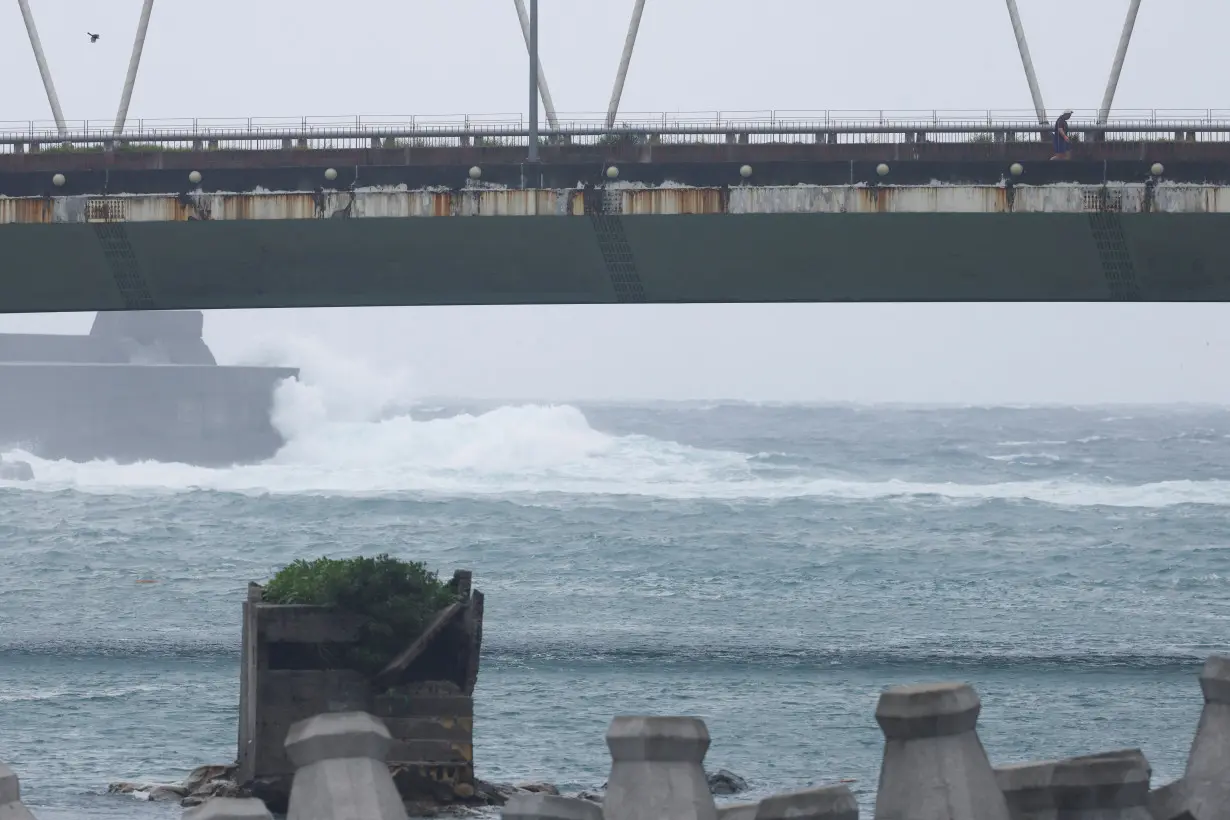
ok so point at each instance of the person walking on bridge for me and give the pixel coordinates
(1061, 138)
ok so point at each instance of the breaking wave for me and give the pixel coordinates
(352, 430)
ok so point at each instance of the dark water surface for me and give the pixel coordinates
(769, 568)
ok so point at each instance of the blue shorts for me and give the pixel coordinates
(1062, 146)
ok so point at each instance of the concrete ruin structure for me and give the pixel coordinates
(424, 698)
(344, 763)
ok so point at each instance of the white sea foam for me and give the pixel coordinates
(349, 431)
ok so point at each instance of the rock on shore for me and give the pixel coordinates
(724, 781)
(203, 783)
(218, 780)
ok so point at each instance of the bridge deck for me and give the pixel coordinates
(1119, 234)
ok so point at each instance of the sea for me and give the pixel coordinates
(767, 567)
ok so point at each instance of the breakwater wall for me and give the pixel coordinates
(934, 768)
(195, 414)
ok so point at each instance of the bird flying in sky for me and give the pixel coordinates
(93, 37)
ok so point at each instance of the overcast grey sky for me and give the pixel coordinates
(228, 58)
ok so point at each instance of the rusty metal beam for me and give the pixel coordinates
(134, 62)
(1129, 24)
(625, 59)
(1023, 46)
(43, 70)
(543, 89)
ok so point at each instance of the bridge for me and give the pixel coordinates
(720, 207)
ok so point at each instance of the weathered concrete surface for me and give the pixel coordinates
(549, 807)
(140, 386)
(1122, 242)
(1209, 758)
(218, 174)
(284, 696)
(1108, 786)
(618, 200)
(823, 803)
(738, 811)
(1027, 790)
(656, 770)
(11, 807)
(340, 769)
(229, 808)
(1204, 789)
(935, 767)
(1171, 802)
(211, 416)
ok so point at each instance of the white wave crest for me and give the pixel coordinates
(350, 431)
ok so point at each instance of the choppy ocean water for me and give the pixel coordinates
(769, 568)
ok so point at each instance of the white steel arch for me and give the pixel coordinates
(1112, 84)
(538, 80)
(134, 63)
(52, 98)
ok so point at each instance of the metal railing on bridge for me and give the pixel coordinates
(775, 126)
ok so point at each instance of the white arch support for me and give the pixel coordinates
(1027, 61)
(43, 70)
(543, 90)
(134, 63)
(1129, 24)
(625, 59)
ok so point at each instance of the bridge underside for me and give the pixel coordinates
(263, 229)
(596, 259)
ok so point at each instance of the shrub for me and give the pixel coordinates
(399, 599)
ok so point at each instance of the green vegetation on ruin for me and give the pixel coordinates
(398, 598)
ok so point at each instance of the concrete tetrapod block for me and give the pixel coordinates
(1172, 802)
(1109, 786)
(824, 803)
(656, 770)
(1027, 790)
(738, 811)
(11, 807)
(1207, 777)
(934, 765)
(541, 806)
(340, 769)
(229, 808)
